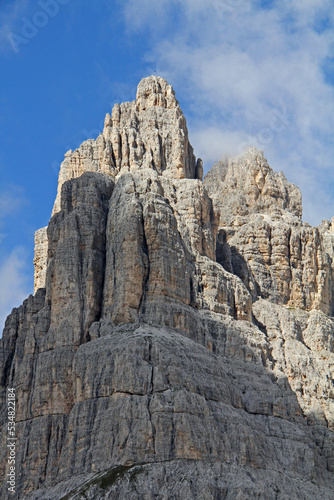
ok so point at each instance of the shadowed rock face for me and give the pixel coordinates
(178, 344)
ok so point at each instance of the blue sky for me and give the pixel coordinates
(246, 72)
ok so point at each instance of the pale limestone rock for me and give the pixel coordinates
(261, 238)
(150, 132)
(157, 230)
(223, 292)
(277, 260)
(246, 184)
(302, 349)
(193, 211)
(40, 259)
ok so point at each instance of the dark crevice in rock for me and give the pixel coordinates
(113, 158)
(151, 392)
(260, 325)
(33, 385)
(152, 160)
(146, 276)
(223, 252)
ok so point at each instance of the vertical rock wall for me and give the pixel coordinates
(41, 258)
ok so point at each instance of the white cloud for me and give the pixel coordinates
(237, 66)
(14, 277)
(14, 282)
(210, 142)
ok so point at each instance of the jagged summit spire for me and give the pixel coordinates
(155, 91)
(149, 132)
(152, 91)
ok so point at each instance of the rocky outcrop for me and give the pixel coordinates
(150, 132)
(155, 271)
(41, 258)
(179, 343)
(246, 185)
(262, 239)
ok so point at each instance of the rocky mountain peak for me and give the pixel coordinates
(149, 132)
(246, 184)
(155, 91)
(180, 341)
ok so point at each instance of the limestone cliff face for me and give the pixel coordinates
(180, 342)
(261, 236)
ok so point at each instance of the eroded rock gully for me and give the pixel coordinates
(180, 340)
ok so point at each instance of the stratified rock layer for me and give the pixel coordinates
(261, 237)
(179, 343)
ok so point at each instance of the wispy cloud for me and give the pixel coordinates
(238, 64)
(10, 16)
(15, 284)
(15, 280)
(12, 199)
